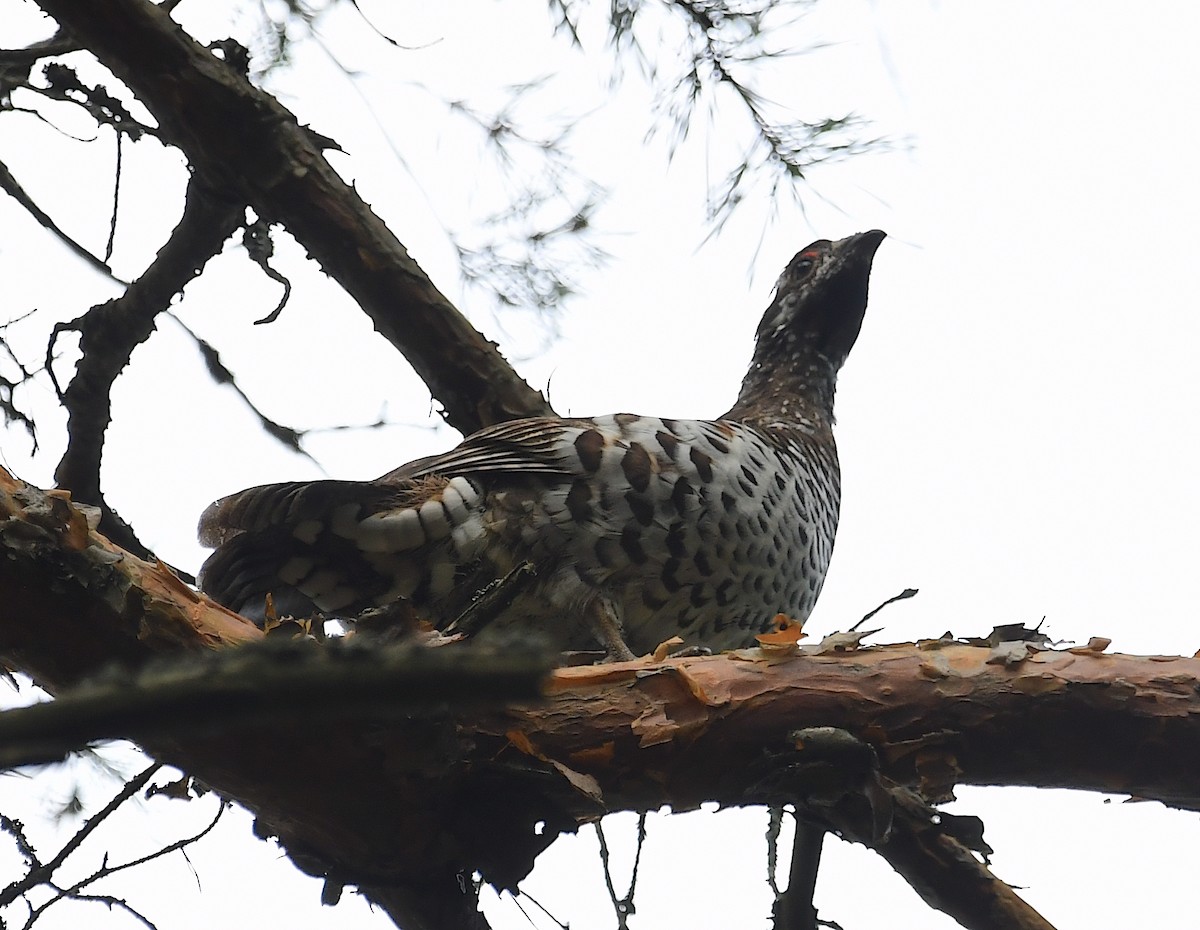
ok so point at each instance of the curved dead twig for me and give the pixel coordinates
(289, 436)
(11, 186)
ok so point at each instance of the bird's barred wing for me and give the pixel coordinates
(531, 446)
(343, 546)
(274, 538)
(293, 503)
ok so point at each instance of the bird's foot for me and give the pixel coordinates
(606, 626)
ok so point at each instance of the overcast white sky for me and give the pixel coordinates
(1017, 423)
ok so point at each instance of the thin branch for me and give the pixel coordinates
(116, 198)
(13, 188)
(41, 874)
(107, 900)
(75, 892)
(623, 906)
(541, 907)
(176, 846)
(288, 436)
(108, 334)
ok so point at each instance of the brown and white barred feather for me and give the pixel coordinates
(702, 528)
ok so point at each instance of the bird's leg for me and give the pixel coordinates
(606, 626)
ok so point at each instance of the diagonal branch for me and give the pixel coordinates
(11, 186)
(247, 144)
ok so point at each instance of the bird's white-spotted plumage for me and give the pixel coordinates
(704, 529)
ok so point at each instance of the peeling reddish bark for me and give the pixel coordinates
(937, 716)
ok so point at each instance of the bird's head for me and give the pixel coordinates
(820, 298)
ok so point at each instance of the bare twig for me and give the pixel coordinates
(493, 600)
(260, 247)
(116, 198)
(540, 906)
(13, 188)
(108, 901)
(41, 874)
(623, 906)
(902, 596)
(288, 436)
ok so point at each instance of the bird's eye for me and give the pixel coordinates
(802, 266)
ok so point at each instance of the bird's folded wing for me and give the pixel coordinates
(292, 503)
(536, 445)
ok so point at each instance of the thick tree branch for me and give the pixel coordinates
(108, 334)
(262, 683)
(1064, 719)
(244, 142)
(631, 736)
